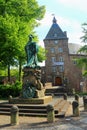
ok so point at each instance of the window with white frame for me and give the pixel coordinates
(61, 68)
(61, 59)
(60, 49)
(54, 69)
(53, 59)
(52, 50)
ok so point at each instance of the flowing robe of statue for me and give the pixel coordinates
(31, 50)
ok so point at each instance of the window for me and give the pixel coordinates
(56, 41)
(60, 58)
(53, 69)
(61, 68)
(55, 35)
(53, 59)
(74, 62)
(60, 49)
(52, 50)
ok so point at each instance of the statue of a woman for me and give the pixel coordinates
(31, 50)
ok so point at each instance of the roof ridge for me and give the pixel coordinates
(55, 32)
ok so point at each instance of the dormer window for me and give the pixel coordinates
(55, 35)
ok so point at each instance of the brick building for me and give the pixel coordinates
(60, 68)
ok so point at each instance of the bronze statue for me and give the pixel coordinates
(32, 86)
(31, 50)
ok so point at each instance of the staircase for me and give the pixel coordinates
(60, 108)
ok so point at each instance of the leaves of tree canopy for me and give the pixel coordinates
(18, 18)
(83, 61)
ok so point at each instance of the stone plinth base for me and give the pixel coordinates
(43, 100)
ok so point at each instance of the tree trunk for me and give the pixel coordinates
(9, 77)
(20, 68)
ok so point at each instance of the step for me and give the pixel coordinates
(61, 114)
(59, 94)
(65, 108)
(60, 105)
(4, 113)
(36, 110)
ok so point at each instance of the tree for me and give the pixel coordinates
(41, 54)
(18, 18)
(83, 61)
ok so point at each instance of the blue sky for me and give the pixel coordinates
(70, 15)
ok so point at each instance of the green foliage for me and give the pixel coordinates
(14, 90)
(18, 18)
(82, 62)
(15, 73)
(82, 93)
(41, 54)
(84, 37)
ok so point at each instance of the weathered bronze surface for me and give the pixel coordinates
(31, 49)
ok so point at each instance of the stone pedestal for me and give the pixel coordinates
(33, 91)
(32, 86)
(43, 100)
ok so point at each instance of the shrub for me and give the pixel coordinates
(14, 90)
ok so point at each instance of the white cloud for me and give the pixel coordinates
(72, 26)
(79, 4)
(47, 20)
(75, 37)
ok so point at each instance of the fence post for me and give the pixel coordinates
(50, 113)
(75, 106)
(14, 115)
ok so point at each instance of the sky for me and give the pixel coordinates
(70, 15)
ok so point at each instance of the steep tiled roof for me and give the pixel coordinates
(55, 32)
(73, 48)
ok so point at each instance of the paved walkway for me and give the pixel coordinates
(35, 123)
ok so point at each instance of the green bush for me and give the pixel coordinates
(81, 93)
(13, 90)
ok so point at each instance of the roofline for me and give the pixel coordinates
(77, 55)
(55, 39)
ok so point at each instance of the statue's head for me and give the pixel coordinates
(31, 37)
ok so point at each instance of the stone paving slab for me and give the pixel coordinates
(29, 123)
(34, 123)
